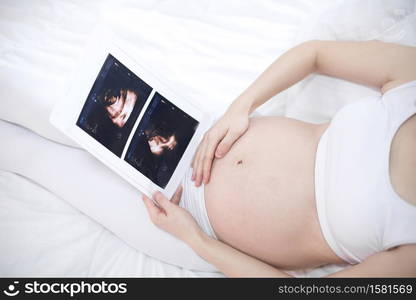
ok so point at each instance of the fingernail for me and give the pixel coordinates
(218, 154)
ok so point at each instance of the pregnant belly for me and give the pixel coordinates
(260, 198)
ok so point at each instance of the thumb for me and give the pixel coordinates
(162, 201)
(226, 143)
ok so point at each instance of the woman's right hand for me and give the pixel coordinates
(217, 142)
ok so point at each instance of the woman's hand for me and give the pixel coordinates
(217, 142)
(172, 218)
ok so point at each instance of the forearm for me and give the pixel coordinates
(378, 64)
(288, 69)
(230, 261)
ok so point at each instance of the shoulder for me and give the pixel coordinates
(399, 261)
(396, 83)
(405, 250)
(396, 262)
(401, 68)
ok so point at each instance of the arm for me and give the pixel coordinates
(373, 63)
(378, 64)
(288, 69)
(399, 262)
(231, 262)
(167, 215)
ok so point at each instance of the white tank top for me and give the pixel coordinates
(359, 211)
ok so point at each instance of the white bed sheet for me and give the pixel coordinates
(43, 236)
(212, 50)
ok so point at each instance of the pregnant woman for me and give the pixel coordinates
(277, 194)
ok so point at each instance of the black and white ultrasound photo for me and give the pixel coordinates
(113, 105)
(160, 140)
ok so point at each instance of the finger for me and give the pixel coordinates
(226, 143)
(176, 198)
(207, 160)
(195, 155)
(162, 201)
(152, 209)
(198, 179)
(196, 160)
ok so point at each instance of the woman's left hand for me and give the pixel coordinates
(172, 218)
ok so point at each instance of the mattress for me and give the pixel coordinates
(210, 50)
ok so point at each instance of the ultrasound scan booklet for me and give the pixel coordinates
(129, 118)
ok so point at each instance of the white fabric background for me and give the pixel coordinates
(211, 50)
